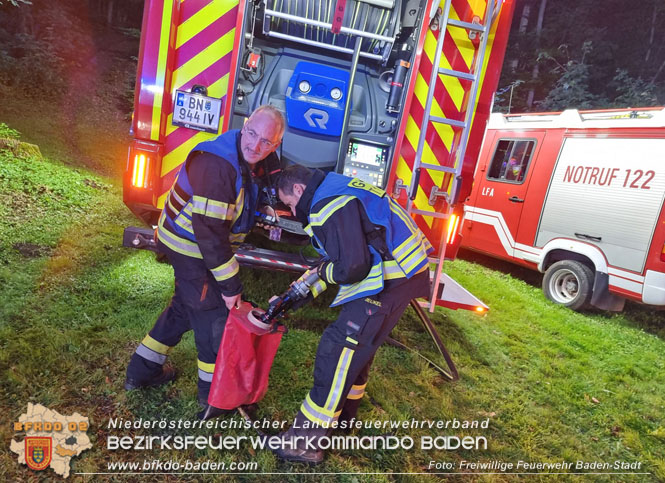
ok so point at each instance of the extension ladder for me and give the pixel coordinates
(462, 135)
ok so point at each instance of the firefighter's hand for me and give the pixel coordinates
(275, 233)
(268, 211)
(232, 301)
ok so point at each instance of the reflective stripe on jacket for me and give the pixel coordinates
(175, 228)
(407, 245)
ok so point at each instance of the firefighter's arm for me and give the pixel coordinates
(349, 260)
(213, 184)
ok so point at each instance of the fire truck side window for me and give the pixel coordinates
(511, 160)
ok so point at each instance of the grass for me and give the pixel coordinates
(555, 385)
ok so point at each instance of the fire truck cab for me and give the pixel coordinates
(579, 196)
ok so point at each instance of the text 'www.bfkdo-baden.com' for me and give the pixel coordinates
(173, 466)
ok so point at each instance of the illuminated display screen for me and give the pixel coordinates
(366, 154)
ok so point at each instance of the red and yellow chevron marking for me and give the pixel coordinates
(151, 68)
(441, 141)
(202, 51)
(160, 76)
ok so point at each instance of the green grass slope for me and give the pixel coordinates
(555, 385)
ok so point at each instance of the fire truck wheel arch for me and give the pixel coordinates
(563, 249)
(569, 283)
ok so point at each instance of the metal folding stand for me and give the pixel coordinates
(449, 372)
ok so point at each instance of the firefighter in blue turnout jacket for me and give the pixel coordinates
(210, 206)
(376, 254)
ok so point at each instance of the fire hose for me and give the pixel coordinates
(308, 283)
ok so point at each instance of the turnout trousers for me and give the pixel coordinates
(346, 351)
(196, 305)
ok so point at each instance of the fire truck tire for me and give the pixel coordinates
(569, 283)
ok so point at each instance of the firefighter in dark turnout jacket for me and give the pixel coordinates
(377, 255)
(210, 206)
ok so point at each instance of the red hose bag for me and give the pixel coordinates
(245, 357)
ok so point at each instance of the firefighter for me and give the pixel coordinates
(210, 206)
(377, 255)
(513, 169)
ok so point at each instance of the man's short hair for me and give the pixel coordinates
(292, 175)
(276, 115)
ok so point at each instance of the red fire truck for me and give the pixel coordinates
(394, 92)
(577, 195)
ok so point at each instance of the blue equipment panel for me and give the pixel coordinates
(315, 98)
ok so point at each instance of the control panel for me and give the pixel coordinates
(367, 161)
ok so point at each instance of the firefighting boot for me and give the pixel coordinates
(295, 449)
(300, 442)
(208, 411)
(167, 375)
(211, 412)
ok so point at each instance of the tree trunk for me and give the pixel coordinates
(21, 24)
(660, 69)
(535, 72)
(524, 19)
(652, 34)
(524, 23)
(109, 14)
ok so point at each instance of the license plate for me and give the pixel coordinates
(196, 111)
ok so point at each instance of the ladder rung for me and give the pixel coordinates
(434, 214)
(437, 167)
(478, 27)
(451, 122)
(457, 73)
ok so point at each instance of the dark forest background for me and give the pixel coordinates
(561, 54)
(584, 54)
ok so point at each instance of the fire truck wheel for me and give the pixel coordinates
(569, 283)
